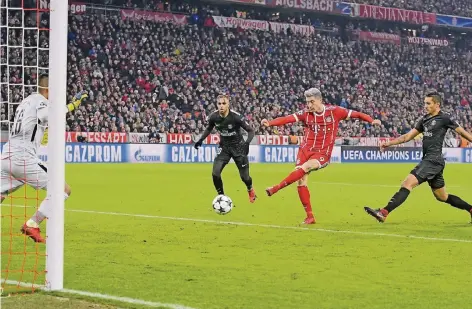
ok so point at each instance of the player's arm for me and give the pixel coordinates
(464, 133)
(208, 129)
(400, 140)
(348, 114)
(250, 133)
(280, 121)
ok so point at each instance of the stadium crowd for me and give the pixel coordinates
(162, 77)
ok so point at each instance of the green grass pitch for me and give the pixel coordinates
(149, 232)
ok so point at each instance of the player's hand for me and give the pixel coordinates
(384, 145)
(198, 144)
(265, 122)
(376, 122)
(79, 98)
(246, 148)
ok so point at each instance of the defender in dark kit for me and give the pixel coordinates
(434, 126)
(228, 123)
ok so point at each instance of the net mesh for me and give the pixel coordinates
(24, 56)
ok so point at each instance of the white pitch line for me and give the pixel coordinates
(282, 227)
(128, 300)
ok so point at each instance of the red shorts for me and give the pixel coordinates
(304, 154)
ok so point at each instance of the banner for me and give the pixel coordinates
(345, 8)
(90, 153)
(97, 137)
(467, 155)
(394, 14)
(354, 154)
(154, 16)
(312, 5)
(428, 41)
(205, 154)
(181, 153)
(379, 37)
(232, 22)
(185, 138)
(148, 153)
(143, 138)
(301, 29)
(454, 21)
(74, 7)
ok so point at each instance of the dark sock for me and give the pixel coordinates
(248, 183)
(457, 202)
(397, 199)
(218, 183)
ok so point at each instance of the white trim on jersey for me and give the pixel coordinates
(332, 133)
(235, 112)
(349, 114)
(325, 131)
(296, 118)
(316, 132)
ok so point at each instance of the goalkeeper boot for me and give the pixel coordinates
(252, 195)
(379, 214)
(33, 232)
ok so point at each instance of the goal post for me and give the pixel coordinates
(33, 41)
(56, 143)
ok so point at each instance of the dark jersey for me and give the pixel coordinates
(434, 129)
(229, 127)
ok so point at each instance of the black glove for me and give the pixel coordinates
(246, 148)
(198, 144)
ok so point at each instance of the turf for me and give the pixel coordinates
(272, 262)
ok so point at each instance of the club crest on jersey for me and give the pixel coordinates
(329, 119)
(230, 126)
(433, 122)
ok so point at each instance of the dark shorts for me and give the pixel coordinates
(236, 152)
(431, 172)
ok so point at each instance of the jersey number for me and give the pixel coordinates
(17, 122)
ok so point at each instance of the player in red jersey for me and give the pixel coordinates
(321, 126)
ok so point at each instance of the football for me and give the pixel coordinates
(222, 204)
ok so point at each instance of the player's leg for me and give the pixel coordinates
(411, 181)
(304, 195)
(35, 175)
(242, 162)
(219, 164)
(9, 184)
(305, 164)
(437, 185)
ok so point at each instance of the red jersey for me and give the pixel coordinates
(321, 128)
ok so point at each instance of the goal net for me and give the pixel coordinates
(25, 44)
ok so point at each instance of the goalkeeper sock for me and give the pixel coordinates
(304, 195)
(397, 199)
(294, 176)
(218, 183)
(40, 214)
(457, 202)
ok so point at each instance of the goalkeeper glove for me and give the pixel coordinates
(78, 99)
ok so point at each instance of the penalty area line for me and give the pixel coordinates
(128, 300)
(272, 226)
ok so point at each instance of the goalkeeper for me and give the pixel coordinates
(20, 163)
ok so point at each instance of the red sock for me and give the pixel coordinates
(304, 195)
(294, 176)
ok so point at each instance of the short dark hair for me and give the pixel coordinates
(41, 79)
(435, 96)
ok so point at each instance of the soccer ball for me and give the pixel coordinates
(222, 204)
